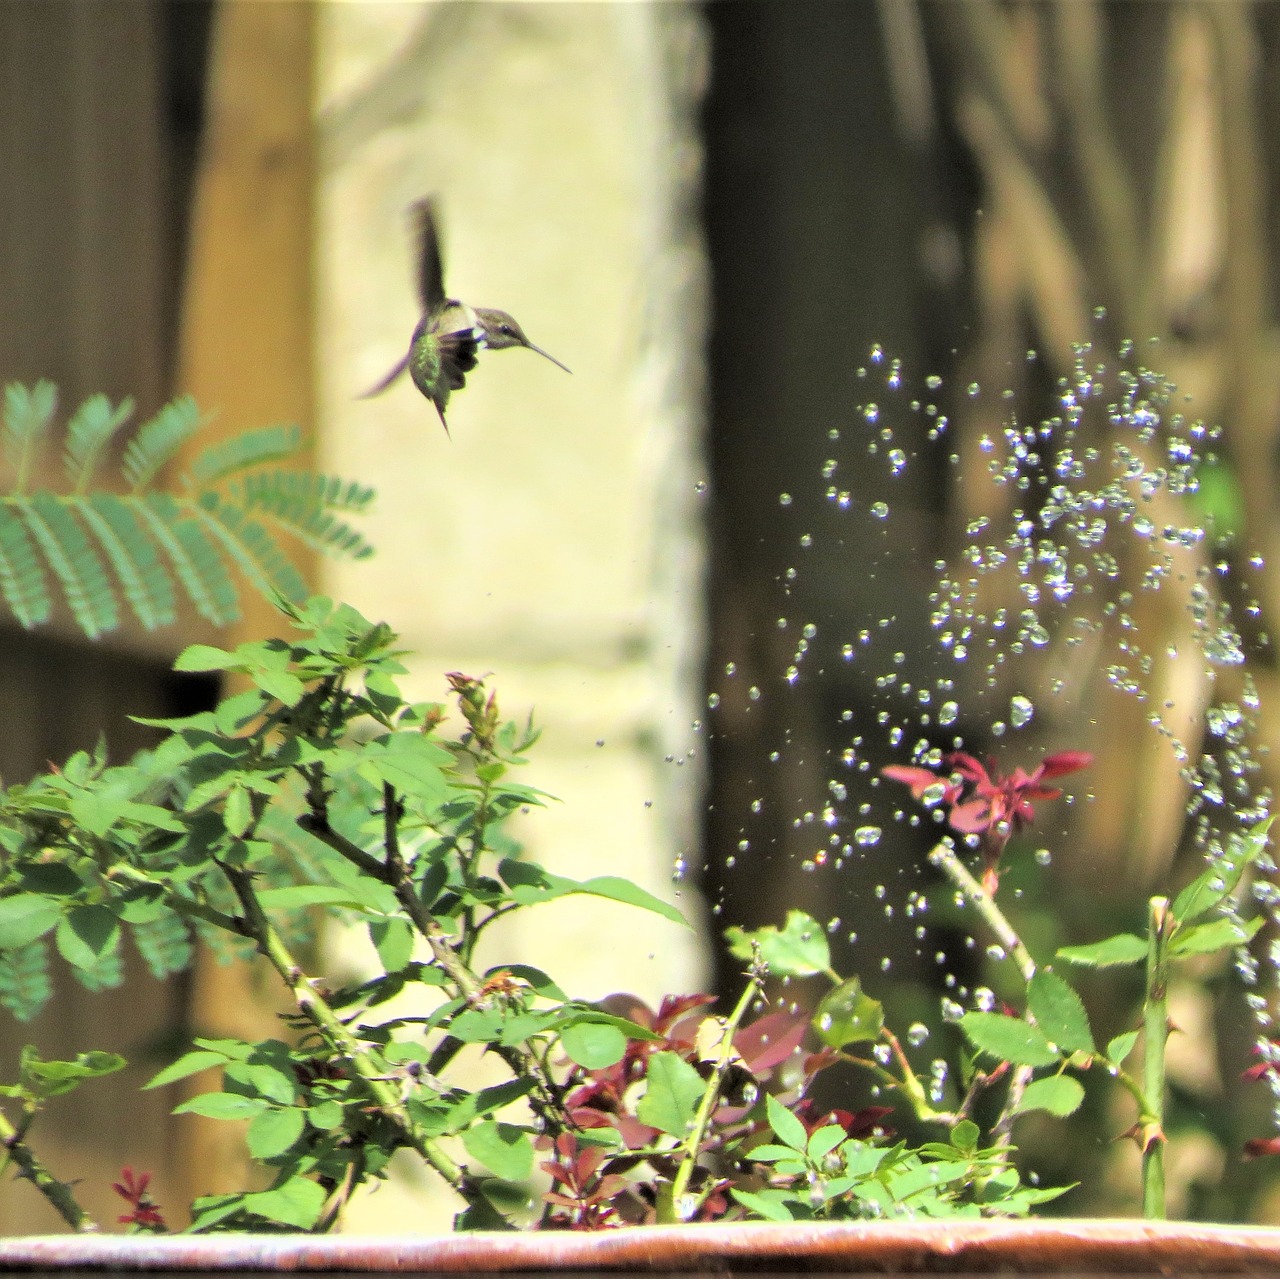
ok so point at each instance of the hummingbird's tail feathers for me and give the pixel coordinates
(379, 387)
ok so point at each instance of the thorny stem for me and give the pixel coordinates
(1155, 1013)
(58, 1193)
(944, 857)
(314, 1007)
(395, 874)
(678, 1208)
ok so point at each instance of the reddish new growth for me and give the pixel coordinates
(132, 1188)
(981, 802)
(1267, 1065)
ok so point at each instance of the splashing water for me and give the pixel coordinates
(1087, 575)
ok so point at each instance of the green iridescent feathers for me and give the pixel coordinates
(132, 545)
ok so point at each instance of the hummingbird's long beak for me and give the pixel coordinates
(548, 356)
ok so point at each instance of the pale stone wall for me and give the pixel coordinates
(555, 540)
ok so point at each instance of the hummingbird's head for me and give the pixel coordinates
(502, 330)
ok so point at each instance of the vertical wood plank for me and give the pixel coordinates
(245, 354)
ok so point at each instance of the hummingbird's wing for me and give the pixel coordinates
(430, 268)
(379, 387)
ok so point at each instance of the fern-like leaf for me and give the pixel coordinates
(27, 414)
(74, 561)
(105, 973)
(88, 433)
(251, 548)
(25, 987)
(194, 558)
(115, 523)
(158, 440)
(302, 503)
(21, 577)
(164, 944)
(243, 452)
(150, 546)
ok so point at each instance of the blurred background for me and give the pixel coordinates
(711, 213)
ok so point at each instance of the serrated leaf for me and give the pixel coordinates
(786, 1127)
(191, 1063)
(222, 1105)
(1123, 948)
(274, 1131)
(1121, 1046)
(772, 1205)
(86, 935)
(846, 1015)
(1215, 934)
(1220, 880)
(1060, 1095)
(530, 883)
(673, 1089)
(593, 1045)
(25, 917)
(798, 949)
(1008, 1039)
(504, 1149)
(297, 1203)
(1059, 1012)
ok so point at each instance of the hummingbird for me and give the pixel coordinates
(449, 334)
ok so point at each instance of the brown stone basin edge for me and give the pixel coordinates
(1076, 1247)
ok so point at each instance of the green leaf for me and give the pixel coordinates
(786, 1127)
(1008, 1039)
(1058, 1094)
(222, 1105)
(593, 1045)
(673, 1089)
(394, 941)
(205, 657)
(845, 1015)
(1121, 1046)
(271, 1080)
(24, 917)
(86, 934)
(54, 1078)
(237, 811)
(411, 763)
(1123, 948)
(1059, 1012)
(1219, 881)
(530, 884)
(503, 1148)
(188, 1064)
(274, 1131)
(297, 1203)
(798, 949)
(1216, 934)
(772, 1205)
